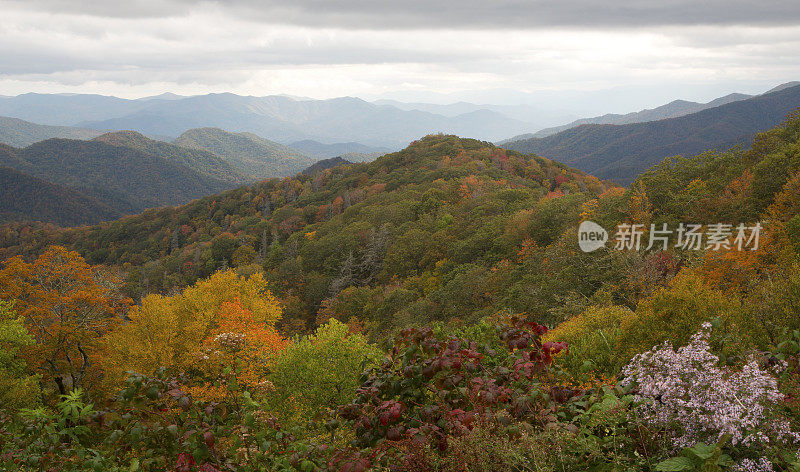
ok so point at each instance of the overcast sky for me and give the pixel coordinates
(419, 49)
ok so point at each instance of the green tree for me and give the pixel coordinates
(17, 388)
(319, 372)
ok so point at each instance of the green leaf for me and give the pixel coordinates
(701, 451)
(134, 465)
(675, 464)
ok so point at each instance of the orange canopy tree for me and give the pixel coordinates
(67, 306)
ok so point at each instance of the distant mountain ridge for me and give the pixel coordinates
(621, 152)
(385, 124)
(672, 109)
(324, 151)
(278, 118)
(19, 133)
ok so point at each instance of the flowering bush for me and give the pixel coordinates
(688, 393)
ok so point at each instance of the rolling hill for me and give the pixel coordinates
(20, 133)
(199, 160)
(444, 216)
(256, 157)
(621, 152)
(28, 198)
(126, 179)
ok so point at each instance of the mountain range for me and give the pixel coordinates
(622, 152)
(278, 118)
(672, 109)
(94, 175)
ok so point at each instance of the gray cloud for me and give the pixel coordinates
(462, 14)
(366, 48)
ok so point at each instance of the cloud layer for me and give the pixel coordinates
(323, 49)
(468, 14)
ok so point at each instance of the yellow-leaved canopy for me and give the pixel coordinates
(166, 331)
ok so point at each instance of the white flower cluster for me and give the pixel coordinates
(750, 465)
(230, 341)
(688, 387)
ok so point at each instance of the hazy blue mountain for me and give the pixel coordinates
(784, 86)
(20, 133)
(286, 120)
(279, 118)
(251, 155)
(535, 116)
(621, 152)
(323, 151)
(672, 109)
(68, 110)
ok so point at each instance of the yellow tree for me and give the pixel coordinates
(67, 306)
(167, 331)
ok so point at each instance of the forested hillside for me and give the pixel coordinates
(200, 161)
(404, 233)
(256, 157)
(27, 198)
(430, 310)
(324, 165)
(622, 152)
(124, 178)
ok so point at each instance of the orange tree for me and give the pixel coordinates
(235, 355)
(67, 306)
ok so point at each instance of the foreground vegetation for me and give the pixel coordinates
(429, 311)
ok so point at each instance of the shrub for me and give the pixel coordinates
(317, 373)
(674, 313)
(431, 388)
(593, 340)
(686, 392)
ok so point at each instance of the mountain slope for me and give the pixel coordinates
(27, 198)
(673, 109)
(444, 216)
(19, 133)
(621, 152)
(127, 179)
(199, 160)
(251, 155)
